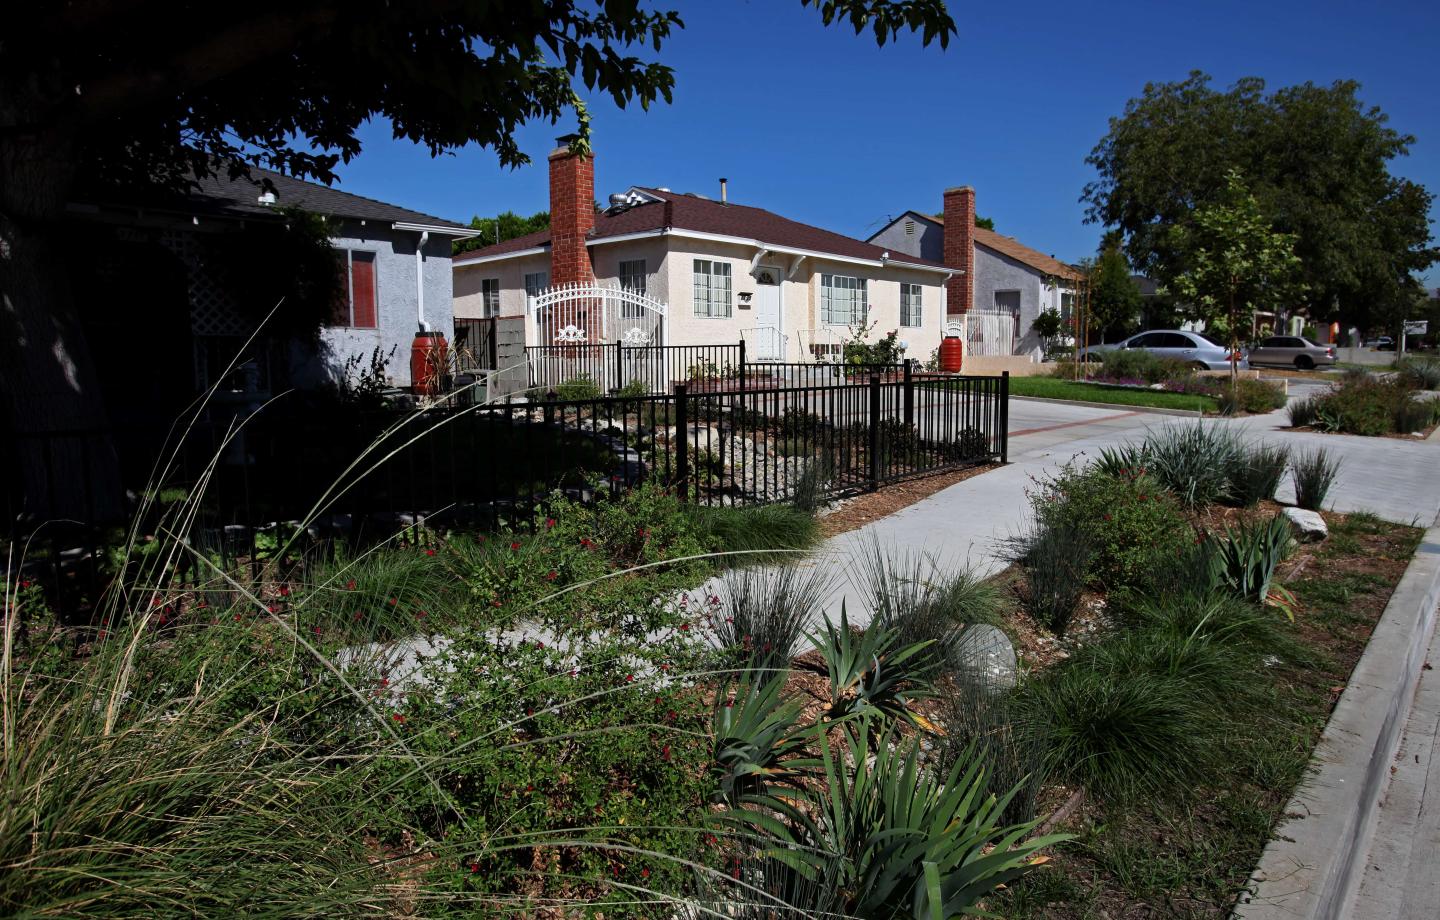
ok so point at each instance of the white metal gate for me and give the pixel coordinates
(571, 321)
(985, 332)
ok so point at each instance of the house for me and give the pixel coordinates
(996, 274)
(180, 262)
(696, 271)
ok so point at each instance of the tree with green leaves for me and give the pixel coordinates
(504, 226)
(141, 95)
(1237, 262)
(1114, 297)
(1315, 157)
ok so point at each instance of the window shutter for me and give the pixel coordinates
(362, 288)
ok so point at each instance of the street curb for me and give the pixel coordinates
(1122, 407)
(1313, 865)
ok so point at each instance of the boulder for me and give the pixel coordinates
(987, 658)
(1308, 526)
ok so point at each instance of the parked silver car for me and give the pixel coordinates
(1292, 351)
(1194, 348)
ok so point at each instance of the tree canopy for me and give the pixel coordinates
(1316, 159)
(504, 226)
(1114, 297)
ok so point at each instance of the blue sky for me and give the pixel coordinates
(821, 126)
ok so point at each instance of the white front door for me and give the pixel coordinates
(769, 343)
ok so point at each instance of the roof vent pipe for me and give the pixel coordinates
(722, 190)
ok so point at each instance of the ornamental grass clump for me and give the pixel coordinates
(1314, 473)
(767, 613)
(1258, 477)
(1056, 567)
(1422, 373)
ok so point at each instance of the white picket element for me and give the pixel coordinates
(823, 345)
(985, 332)
(764, 343)
(594, 313)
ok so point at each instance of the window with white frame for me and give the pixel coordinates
(355, 301)
(490, 296)
(632, 278)
(712, 288)
(911, 313)
(535, 282)
(843, 300)
(1067, 305)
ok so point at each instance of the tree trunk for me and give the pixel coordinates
(65, 464)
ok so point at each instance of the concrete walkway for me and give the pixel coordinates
(1401, 879)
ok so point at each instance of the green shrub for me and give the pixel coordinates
(1259, 476)
(1248, 395)
(1137, 364)
(385, 593)
(578, 388)
(1371, 406)
(1303, 412)
(1132, 524)
(1195, 462)
(1315, 473)
(633, 390)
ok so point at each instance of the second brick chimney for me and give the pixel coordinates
(572, 215)
(960, 248)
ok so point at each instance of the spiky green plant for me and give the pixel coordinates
(1257, 478)
(1195, 462)
(757, 735)
(1315, 472)
(768, 611)
(871, 673)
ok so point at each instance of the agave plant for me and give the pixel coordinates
(870, 674)
(1244, 561)
(756, 737)
(894, 840)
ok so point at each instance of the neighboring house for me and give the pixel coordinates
(717, 272)
(995, 273)
(155, 260)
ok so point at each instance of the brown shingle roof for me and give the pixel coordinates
(703, 215)
(1008, 245)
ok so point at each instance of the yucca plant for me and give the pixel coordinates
(756, 736)
(895, 840)
(1243, 562)
(1128, 460)
(871, 673)
(1314, 473)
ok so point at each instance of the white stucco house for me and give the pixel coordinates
(724, 272)
(998, 274)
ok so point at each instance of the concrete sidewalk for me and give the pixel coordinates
(1401, 879)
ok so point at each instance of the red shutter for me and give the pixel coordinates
(362, 289)
(340, 309)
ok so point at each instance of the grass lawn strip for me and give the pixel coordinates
(1052, 388)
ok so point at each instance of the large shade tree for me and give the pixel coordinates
(1317, 160)
(143, 93)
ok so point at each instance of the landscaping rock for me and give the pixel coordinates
(988, 658)
(1308, 526)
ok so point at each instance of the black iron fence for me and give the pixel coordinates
(473, 346)
(358, 476)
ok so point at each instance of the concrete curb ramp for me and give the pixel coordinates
(1313, 866)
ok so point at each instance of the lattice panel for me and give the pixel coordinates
(212, 308)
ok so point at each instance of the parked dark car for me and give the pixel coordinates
(1293, 351)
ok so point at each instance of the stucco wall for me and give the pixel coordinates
(996, 272)
(927, 242)
(470, 302)
(397, 302)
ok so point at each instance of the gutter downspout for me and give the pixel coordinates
(420, 280)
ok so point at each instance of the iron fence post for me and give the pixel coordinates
(1004, 416)
(682, 446)
(742, 364)
(874, 432)
(619, 365)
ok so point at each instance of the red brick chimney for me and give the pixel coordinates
(572, 215)
(960, 248)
